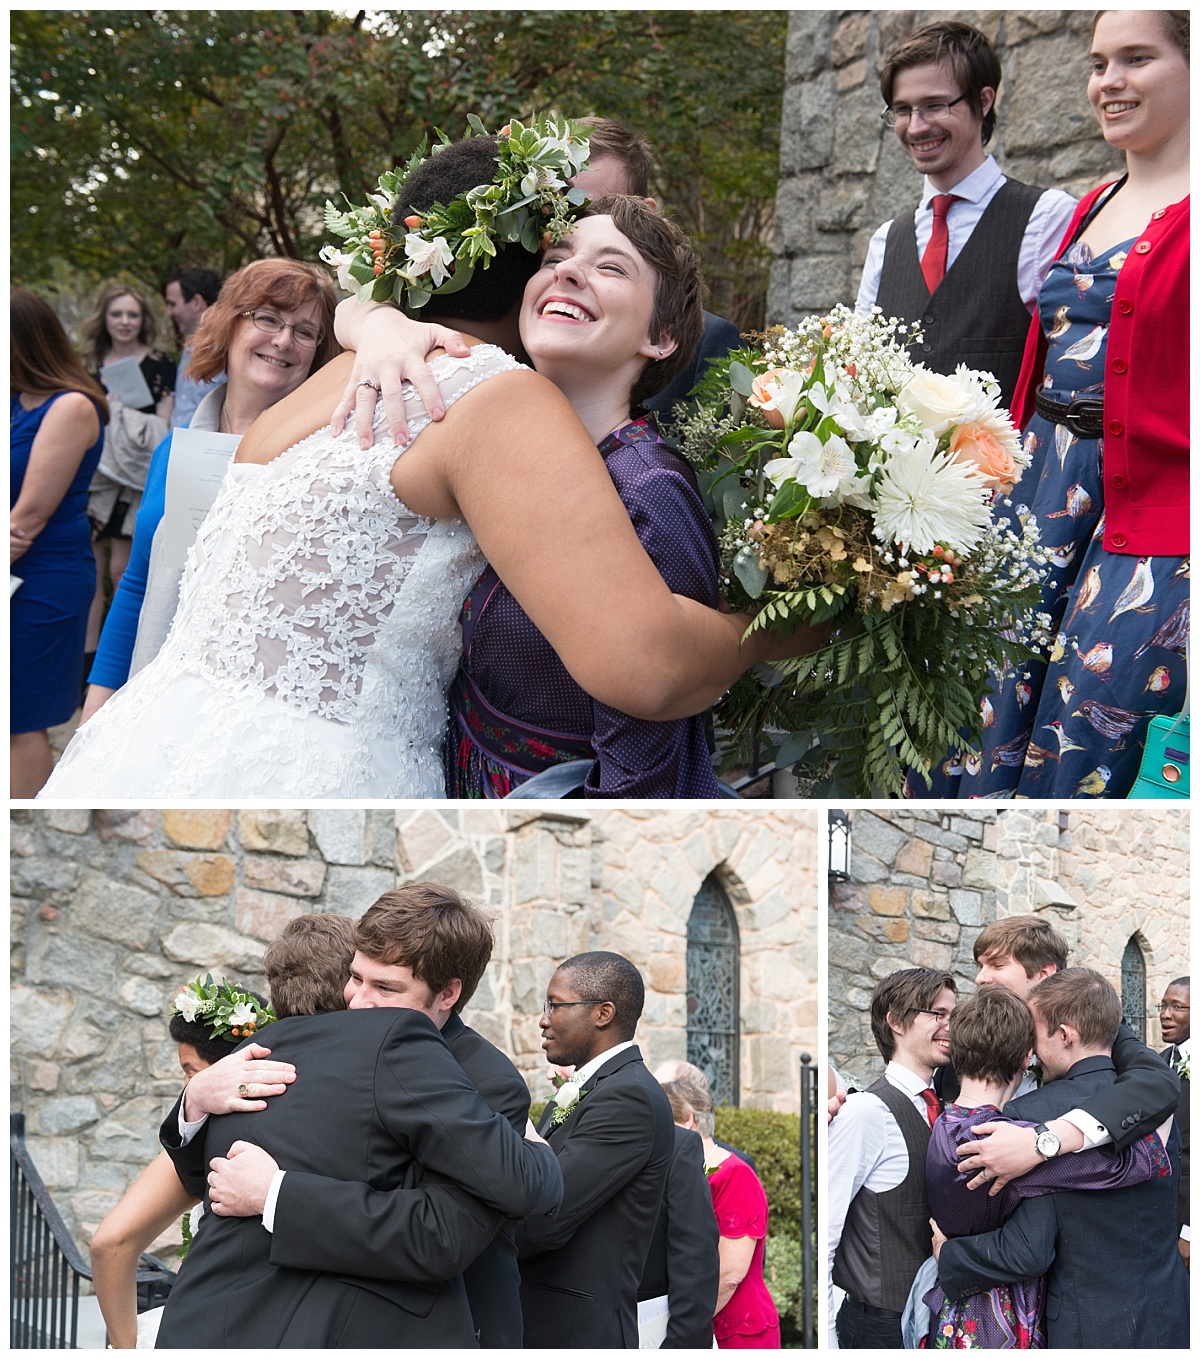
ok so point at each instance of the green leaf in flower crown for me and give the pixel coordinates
(737, 406)
(741, 378)
(735, 502)
(361, 271)
(751, 574)
(790, 500)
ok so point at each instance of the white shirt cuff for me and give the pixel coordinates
(189, 1130)
(1185, 1232)
(1094, 1134)
(268, 1213)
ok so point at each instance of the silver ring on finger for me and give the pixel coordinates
(374, 386)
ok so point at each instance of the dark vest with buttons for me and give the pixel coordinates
(976, 316)
(886, 1237)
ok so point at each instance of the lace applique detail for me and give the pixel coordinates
(312, 586)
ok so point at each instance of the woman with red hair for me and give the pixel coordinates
(271, 327)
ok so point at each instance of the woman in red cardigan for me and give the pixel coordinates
(1104, 389)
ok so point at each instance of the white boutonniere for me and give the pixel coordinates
(566, 1097)
(1183, 1068)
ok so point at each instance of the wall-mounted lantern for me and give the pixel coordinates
(839, 846)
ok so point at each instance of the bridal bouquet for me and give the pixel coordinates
(852, 486)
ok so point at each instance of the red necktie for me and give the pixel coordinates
(933, 1105)
(933, 262)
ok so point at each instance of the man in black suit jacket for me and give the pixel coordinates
(612, 1131)
(1114, 1277)
(1175, 1018)
(684, 1263)
(386, 1230)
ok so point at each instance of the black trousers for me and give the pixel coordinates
(858, 1331)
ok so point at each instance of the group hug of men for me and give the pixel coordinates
(374, 1180)
(1115, 1260)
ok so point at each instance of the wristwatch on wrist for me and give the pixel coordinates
(1046, 1143)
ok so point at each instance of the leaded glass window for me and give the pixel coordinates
(1133, 988)
(712, 991)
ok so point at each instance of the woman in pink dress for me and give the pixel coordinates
(745, 1317)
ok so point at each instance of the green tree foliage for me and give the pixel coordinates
(143, 140)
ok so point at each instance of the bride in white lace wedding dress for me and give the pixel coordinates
(316, 633)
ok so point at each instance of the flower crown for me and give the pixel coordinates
(223, 1010)
(529, 200)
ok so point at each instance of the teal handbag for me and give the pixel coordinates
(1164, 771)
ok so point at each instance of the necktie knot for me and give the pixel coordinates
(933, 1105)
(941, 203)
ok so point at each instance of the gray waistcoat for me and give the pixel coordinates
(976, 316)
(886, 1237)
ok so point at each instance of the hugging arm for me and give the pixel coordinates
(1143, 1096)
(1022, 1248)
(424, 1235)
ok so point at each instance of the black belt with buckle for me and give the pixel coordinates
(868, 1311)
(1084, 416)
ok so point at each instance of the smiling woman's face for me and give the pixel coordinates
(590, 304)
(274, 364)
(1139, 88)
(123, 319)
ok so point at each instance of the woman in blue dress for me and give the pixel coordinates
(1109, 440)
(56, 427)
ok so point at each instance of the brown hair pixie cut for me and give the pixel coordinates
(607, 137)
(40, 357)
(1026, 939)
(970, 54)
(991, 1035)
(308, 965)
(901, 995)
(678, 313)
(285, 285)
(433, 931)
(1083, 999)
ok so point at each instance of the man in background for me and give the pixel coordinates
(188, 294)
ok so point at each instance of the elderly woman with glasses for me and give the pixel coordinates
(269, 330)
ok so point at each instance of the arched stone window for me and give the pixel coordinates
(712, 990)
(1133, 987)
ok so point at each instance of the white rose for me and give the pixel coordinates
(936, 400)
(567, 1095)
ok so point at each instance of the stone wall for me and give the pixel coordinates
(924, 882)
(113, 910)
(843, 173)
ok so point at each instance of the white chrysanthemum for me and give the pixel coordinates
(924, 498)
(428, 257)
(827, 469)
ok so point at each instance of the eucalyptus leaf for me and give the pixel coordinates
(751, 575)
(735, 502)
(741, 378)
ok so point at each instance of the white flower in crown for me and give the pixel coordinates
(336, 259)
(242, 1013)
(428, 257)
(188, 1005)
(541, 177)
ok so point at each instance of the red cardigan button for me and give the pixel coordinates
(1125, 305)
(1119, 540)
(1157, 216)
(1116, 427)
(1118, 483)
(1120, 366)
(1142, 248)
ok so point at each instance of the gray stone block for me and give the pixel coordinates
(350, 891)
(116, 910)
(72, 961)
(36, 1019)
(810, 35)
(42, 876)
(876, 836)
(341, 835)
(57, 1161)
(58, 1117)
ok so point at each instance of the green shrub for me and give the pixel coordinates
(784, 1275)
(774, 1142)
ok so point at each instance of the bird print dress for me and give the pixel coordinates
(1073, 724)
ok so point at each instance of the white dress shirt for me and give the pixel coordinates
(866, 1151)
(1039, 246)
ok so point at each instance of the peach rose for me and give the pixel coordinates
(980, 446)
(762, 395)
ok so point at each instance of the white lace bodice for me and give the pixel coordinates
(312, 596)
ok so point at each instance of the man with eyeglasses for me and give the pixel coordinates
(879, 1234)
(967, 262)
(1175, 1020)
(612, 1130)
